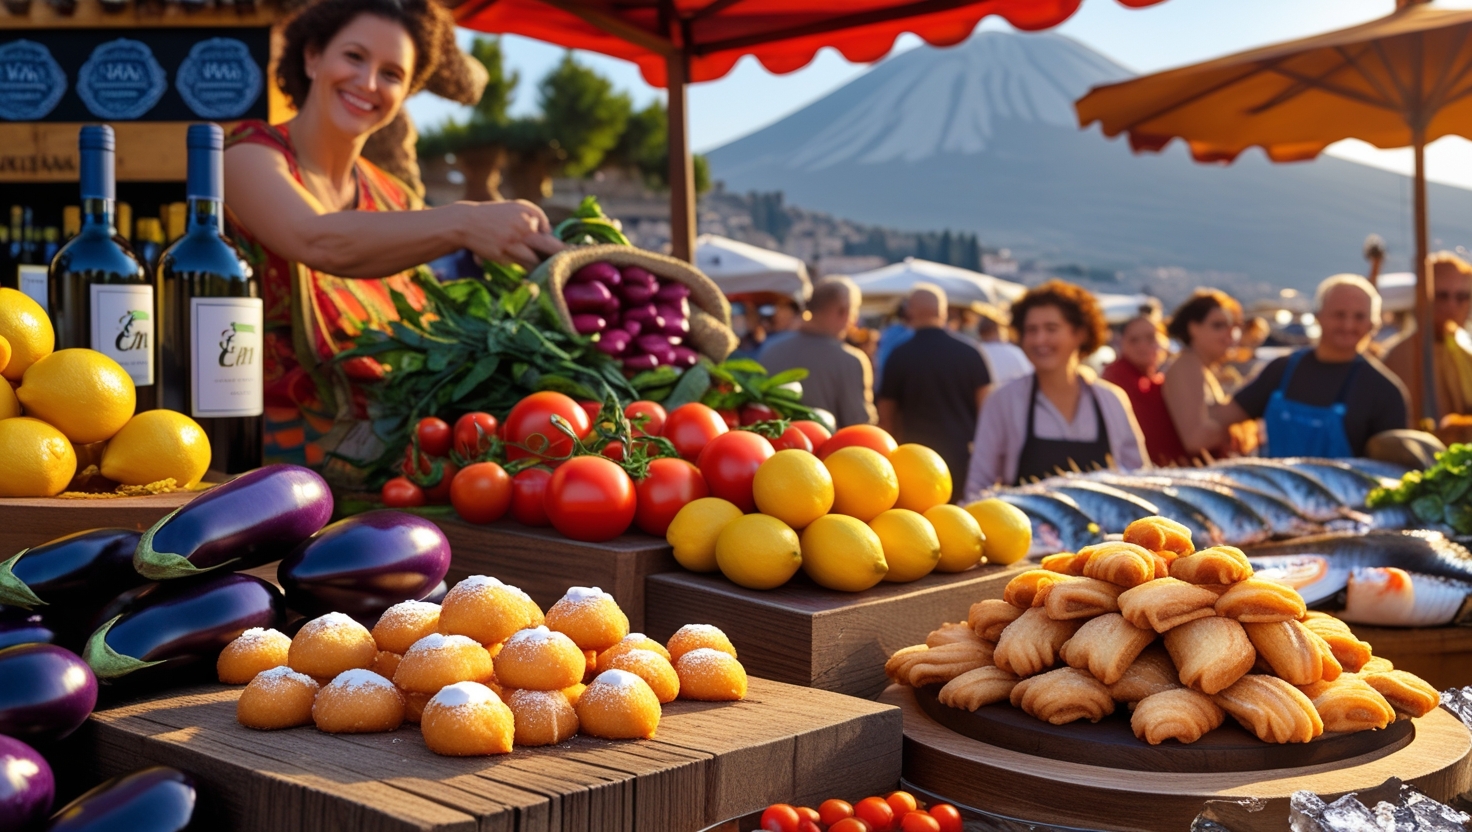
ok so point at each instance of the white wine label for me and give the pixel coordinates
(227, 358)
(33, 283)
(122, 327)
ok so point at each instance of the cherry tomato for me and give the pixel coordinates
(614, 451)
(731, 418)
(402, 492)
(690, 427)
(473, 434)
(590, 498)
(901, 803)
(793, 439)
(528, 497)
(851, 825)
(948, 816)
(729, 465)
(809, 826)
(919, 822)
(875, 812)
(592, 409)
(866, 436)
(779, 817)
(816, 433)
(481, 492)
(835, 810)
(755, 412)
(434, 436)
(808, 814)
(670, 485)
(439, 493)
(533, 416)
(656, 415)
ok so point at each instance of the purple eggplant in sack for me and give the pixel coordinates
(365, 564)
(27, 787)
(45, 692)
(156, 799)
(253, 519)
(71, 573)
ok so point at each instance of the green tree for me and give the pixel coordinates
(644, 147)
(493, 104)
(582, 113)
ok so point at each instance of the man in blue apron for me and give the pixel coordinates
(1329, 400)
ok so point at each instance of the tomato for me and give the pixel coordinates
(528, 497)
(592, 409)
(835, 810)
(809, 826)
(730, 417)
(532, 416)
(690, 427)
(473, 434)
(816, 433)
(793, 439)
(755, 412)
(402, 492)
(670, 485)
(901, 803)
(481, 492)
(655, 425)
(948, 816)
(779, 817)
(434, 436)
(875, 812)
(866, 436)
(590, 498)
(729, 465)
(808, 814)
(851, 825)
(919, 822)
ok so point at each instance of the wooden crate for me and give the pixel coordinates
(26, 522)
(806, 635)
(708, 762)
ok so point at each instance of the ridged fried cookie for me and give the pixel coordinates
(1030, 644)
(952, 633)
(978, 687)
(1062, 696)
(1217, 565)
(1256, 601)
(1210, 653)
(1082, 598)
(1022, 591)
(1149, 674)
(1165, 603)
(1290, 650)
(1271, 709)
(1348, 649)
(1120, 563)
(939, 665)
(1348, 704)
(1181, 714)
(1066, 563)
(988, 618)
(1106, 646)
(1159, 534)
(1407, 693)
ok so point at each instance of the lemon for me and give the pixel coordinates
(83, 393)
(962, 545)
(1008, 531)
(864, 484)
(157, 445)
(9, 404)
(758, 552)
(911, 547)
(793, 486)
(4, 353)
(694, 530)
(841, 552)
(37, 460)
(925, 481)
(24, 324)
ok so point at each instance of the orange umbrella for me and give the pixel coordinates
(1405, 79)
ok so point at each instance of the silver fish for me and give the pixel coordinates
(1282, 518)
(1058, 514)
(1313, 500)
(1375, 467)
(1111, 508)
(1215, 515)
(1425, 552)
(1348, 485)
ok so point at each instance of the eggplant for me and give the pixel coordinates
(632, 327)
(685, 357)
(611, 308)
(659, 346)
(68, 572)
(673, 294)
(601, 272)
(641, 362)
(586, 324)
(178, 623)
(614, 342)
(22, 626)
(676, 328)
(156, 799)
(635, 293)
(365, 564)
(640, 275)
(27, 786)
(45, 692)
(586, 297)
(253, 519)
(437, 595)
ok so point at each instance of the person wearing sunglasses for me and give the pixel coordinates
(1452, 356)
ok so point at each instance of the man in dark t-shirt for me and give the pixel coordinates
(933, 383)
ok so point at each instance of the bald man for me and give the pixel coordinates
(933, 383)
(1452, 355)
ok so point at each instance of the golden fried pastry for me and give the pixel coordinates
(632, 641)
(386, 664)
(1106, 646)
(1066, 563)
(1348, 649)
(438, 660)
(654, 669)
(1256, 601)
(1120, 563)
(709, 675)
(902, 661)
(695, 636)
(414, 704)
(1407, 693)
(1181, 714)
(252, 652)
(1162, 562)
(1270, 708)
(1289, 649)
(978, 687)
(540, 659)
(590, 617)
(277, 698)
(952, 633)
(938, 665)
(1158, 534)
(1376, 664)
(1217, 565)
(543, 717)
(618, 706)
(574, 692)
(1080, 598)
(1150, 674)
(358, 702)
(988, 618)
(487, 610)
(1030, 644)
(1062, 696)
(1165, 603)
(326, 646)
(1348, 704)
(1022, 591)
(1210, 653)
(405, 623)
(467, 720)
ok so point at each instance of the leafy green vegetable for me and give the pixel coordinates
(1440, 494)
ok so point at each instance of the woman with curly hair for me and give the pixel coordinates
(1062, 417)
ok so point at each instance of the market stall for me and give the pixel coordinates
(887, 284)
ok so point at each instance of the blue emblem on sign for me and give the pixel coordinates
(31, 82)
(121, 80)
(219, 79)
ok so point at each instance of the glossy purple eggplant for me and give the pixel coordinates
(22, 626)
(365, 564)
(45, 692)
(71, 572)
(253, 519)
(27, 787)
(157, 799)
(176, 623)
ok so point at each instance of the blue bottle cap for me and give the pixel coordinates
(96, 143)
(206, 178)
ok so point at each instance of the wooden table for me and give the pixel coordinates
(709, 762)
(31, 521)
(807, 635)
(1440, 655)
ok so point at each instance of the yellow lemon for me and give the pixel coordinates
(758, 552)
(794, 487)
(9, 404)
(83, 393)
(841, 552)
(962, 545)
(157, 445)
(4, 354)
(36, 458)
(924, 479)
(694, 530)
(864, 484)
(1008, 531)
(24, 324)
(911, 547)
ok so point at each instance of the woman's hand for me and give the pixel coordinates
(509, 232)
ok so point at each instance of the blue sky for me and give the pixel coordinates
(1172, 33)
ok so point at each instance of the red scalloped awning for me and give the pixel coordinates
(784, 35)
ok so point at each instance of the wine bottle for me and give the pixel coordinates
(71, 222)
(213, 318)
(31, 269)
(175, 217)
(51, 243)
(125, 228)
(101, 296)
(150, 245)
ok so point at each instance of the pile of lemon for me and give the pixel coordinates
(849, 521)
(65, 410)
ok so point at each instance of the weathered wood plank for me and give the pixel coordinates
(26, 522)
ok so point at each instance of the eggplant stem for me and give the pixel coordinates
(106, 662)
(162, 566)
(13, 591)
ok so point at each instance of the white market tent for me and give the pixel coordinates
(1121, 308)
(743, 269)
(961, 285)
(1397, 291)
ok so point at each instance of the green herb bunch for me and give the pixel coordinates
(1440, 494)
